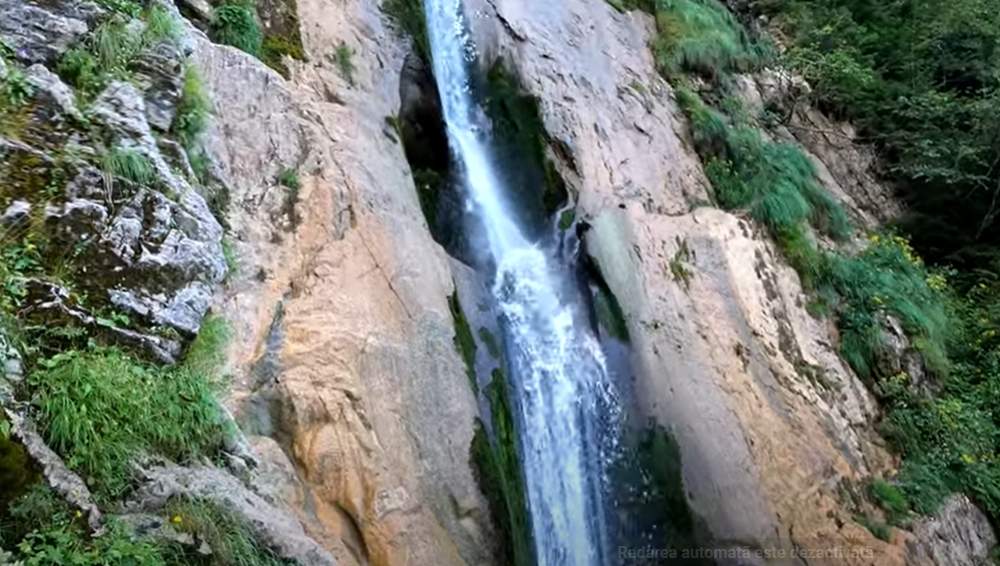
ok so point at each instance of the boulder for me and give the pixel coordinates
(39, 31)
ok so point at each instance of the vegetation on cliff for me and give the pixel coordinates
(921, 80)
(87, 373)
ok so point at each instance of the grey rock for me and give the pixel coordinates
(159, 74)
(200, 9)
(168, 243)
(898, 356)
(39, 31)
(54, 470)
(17, 212)
(275, 526)
(53, 88)
(53, 302)
(959, 533)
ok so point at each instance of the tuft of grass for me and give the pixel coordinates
(877, 528)
(648, 6)
(702, 36)
(231, 540)
(566, 219)
(343, 57)
(891, 500)
(193, 109)
(290, 178)
(129, 164)
(678, 265)
(14, 89)
(235, 23)
(102, 410)
(232, 259)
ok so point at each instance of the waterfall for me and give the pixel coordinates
(563, 396)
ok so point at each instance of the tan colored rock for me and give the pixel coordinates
(343, 348)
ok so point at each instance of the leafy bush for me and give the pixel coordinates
(42, 530)
(235, 24)
(101, 409)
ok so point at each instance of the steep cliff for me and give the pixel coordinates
(292, 213)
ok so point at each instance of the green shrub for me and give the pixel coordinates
(101, 410)
(235, 24)
(290, 178)
(891, 499)
(14, 89)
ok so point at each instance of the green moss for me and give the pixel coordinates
(566, 219)
(609, 314)
(275, 48)
(17, 471)
(521, 138)
(498, 471)
(192, 110)
(465, 342)
(492, 345)
(429, 184)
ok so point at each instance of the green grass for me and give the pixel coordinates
(343, 58)
(107, 53)
(891, 500)
(774, 182)
(129, 164)
(703, 37)
(877, 528)
(40, 529)
(235, 23)
(232, 542)
(101, 409)
(193, 110)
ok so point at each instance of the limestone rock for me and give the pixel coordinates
(168, 250)
(343, 339)
(958, 533)
(39, 31)
(159, 74)
(60, 478)
(275, 527)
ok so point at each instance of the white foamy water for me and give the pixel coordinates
(563, 394)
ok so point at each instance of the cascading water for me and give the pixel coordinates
(564, 397)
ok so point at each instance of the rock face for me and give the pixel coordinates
(958, 533)
(773, 427)
(343, 339)
(40, 31)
